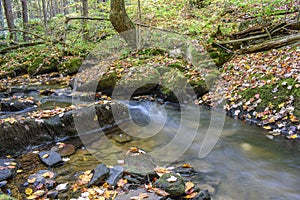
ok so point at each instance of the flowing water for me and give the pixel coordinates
(243, 164)
(249, 165)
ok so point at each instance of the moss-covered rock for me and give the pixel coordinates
(171, 183)
(70, 66)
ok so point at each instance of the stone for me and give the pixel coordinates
(121, 138)
(115, 175)
(202, 195)
(8, 168)
(52, 194)
(184, 171)
(50, 158)
(43, 176)
(2, 183)
(66, 150)
(141, 164)
(140, 116)
(174, 188)
(99, 174)
(16, 106)
(208, 187)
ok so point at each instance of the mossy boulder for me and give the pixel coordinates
(70, 66)
(171, 183)
(138, 80)
(107, 83)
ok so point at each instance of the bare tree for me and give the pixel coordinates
(9, 18)
(85, 13)
(44, 9)
(25, 18)
(121, 22)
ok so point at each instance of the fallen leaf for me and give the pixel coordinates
(28, 191)
(172, 179)
(188, 186)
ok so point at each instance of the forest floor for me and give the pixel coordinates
(261, 88)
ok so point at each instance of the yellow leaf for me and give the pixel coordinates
(186, 166)
(28, 191)
(190, 196)
(271, 120)
(188, 186)
(294, 136)
(31, 180)
(281, 105)
(293, 118)
(267, 127)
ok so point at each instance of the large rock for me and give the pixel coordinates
(8, 168)
(140, 164)
(16, 106)
(171, 183)
(50, 158)
(19, 135)
(99, 174)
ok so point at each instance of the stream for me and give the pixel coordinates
(248, 165)
(244, 164)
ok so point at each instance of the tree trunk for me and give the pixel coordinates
(1, 20)
(65, 7)
(25, 18)
(9, 18)
(121, 22)
(44, 14)
(85, 13)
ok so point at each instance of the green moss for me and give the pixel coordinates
(268, 96)
(70, 66)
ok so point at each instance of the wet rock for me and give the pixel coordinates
(210, 189)
(52, 194)
(8, 168)
(121, 138)
(184, 171)
(203, 195)
(171, 183)
(16, 106)
(140, 164)
(66, 150)
(115, 175)
(3, 183)
(42, 176)
(140, 116)
(50, 158)
(99, 174)
(136, 193)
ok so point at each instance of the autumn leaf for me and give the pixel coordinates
(189, 186)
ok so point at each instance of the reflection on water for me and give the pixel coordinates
(249, 165)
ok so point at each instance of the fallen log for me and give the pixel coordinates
(28, 44)
(272, 44)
